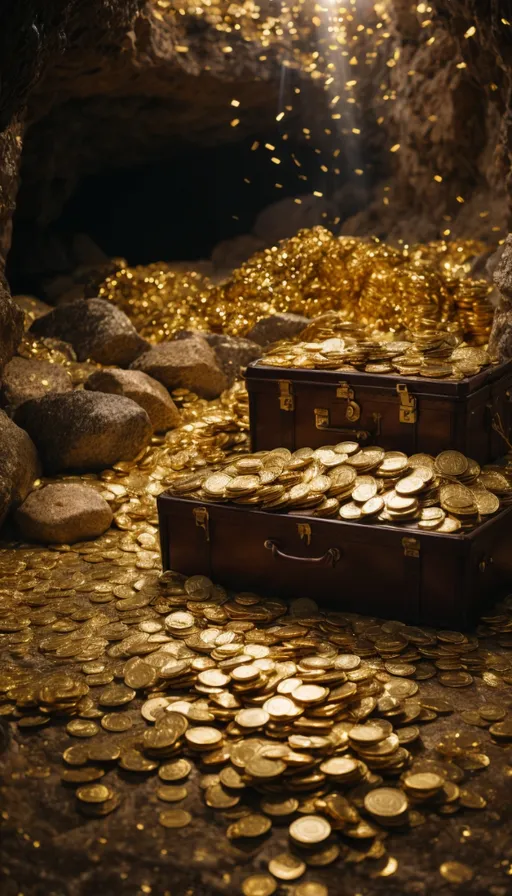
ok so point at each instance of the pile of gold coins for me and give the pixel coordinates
(380, 287)
(357, 484)
(331, 343)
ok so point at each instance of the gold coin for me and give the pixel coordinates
(386, 802)
(366, 734)
(310, 888)
(171, 793)
(309, 830)
(94, 793)
(310, 694)
(456, 872)
(253, 717)
(323, 857)
(175, 771)
(350, 512)
(252, 826)
(203, 738)
(259, 885)
(286, 866)
(279, 807)
(425, 781)
(174, 818)
(451, 463)
(82, 728)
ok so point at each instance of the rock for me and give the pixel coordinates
(277, 326)
(284, 218)
(24, 379)
(96, 329)
(31, 307)
(502, 275)
(63, 512)
(19, 465)
(141, 388)
(233, 353)
(84, 430)
(500, 340)
(184, 364)
(230, 254)
(11, 322)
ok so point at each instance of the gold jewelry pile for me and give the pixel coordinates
(381, 287)
(357, 484)
(332, 343)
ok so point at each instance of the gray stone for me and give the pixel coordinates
(11, 319)
(62, 513)
(285, 217)
(85, 430)
(502, 275)
(230, 254)
(184, 364)
(277, 326)
(24, 379)
(32, 307)
(141, 388)
(19, 465)
(233, 353)
(96, 329)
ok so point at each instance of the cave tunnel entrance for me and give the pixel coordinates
(177, 208)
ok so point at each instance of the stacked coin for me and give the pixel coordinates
(333, 343)
(356, 484)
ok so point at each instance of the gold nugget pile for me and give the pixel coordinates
(331, 343)
(357, 484)
(377, 285)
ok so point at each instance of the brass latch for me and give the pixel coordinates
(304, 530)
(322, 419)
(286, 400)
(408, 410)
(353, 411)
(411, 547)
(202, 518)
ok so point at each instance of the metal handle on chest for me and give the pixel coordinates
(330, 558)
(323, 422)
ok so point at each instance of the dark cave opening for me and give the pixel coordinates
(176, 208)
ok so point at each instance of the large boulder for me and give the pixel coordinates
(96, 329)
(19, 465)
(63, 512)
(184, 364)
(24, 379)
(233, 353)
(141, 388)
(85, 430)
(277, 326)
(11, 321)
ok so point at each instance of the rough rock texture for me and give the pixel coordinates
(96, 329)
(19, 465)
(233, 353)
(277, 326)
(230, 254)
(85, 430)
(24, 379)
(62, 513)
(284, 218)
(141, 388)
(500, 341)
(32, 307)
(185, 363)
